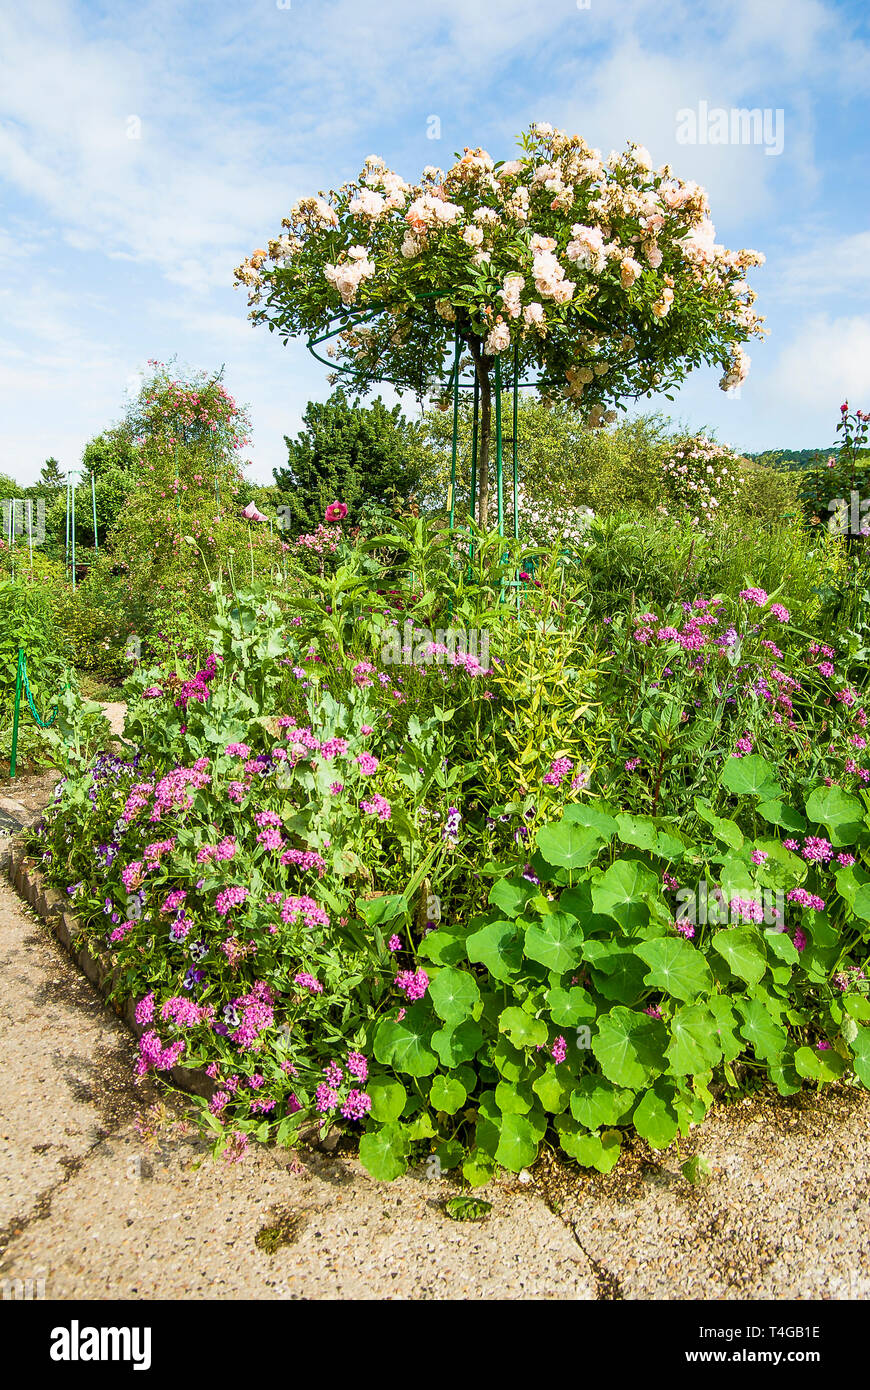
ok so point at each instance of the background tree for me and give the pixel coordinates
(348, 452)
(603, 276)
(50, 476)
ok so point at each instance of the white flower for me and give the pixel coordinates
(498, 339)
(367, 203)
(472, 236)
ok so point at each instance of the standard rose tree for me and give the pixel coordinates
(598, 280)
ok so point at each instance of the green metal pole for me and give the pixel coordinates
(499, 480)
(475, 421)
(516, 409)
(474, 429)
(73, 535)
(94, 502)
(13, 760)
(452, 501)
(66, 538)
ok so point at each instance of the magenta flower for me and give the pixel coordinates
(336, 511)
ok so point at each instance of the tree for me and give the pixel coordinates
(50, 475)
(111, 451)
(482, 254)
(350, 453)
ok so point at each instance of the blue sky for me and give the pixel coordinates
(114, 250)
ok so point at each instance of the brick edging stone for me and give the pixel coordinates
(52, 907)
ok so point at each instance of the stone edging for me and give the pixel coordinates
(52, 907)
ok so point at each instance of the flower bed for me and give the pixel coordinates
(465, 907)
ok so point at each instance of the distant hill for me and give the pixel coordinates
(791, 459)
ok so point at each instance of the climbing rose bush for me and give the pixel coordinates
(701, 478)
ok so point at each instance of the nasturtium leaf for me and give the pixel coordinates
(449, 1154)
(405, 1043)
(510, 895)
(767, 1037)
(595, 1101)
(513, 1099)
(590, 1150)
(750, 776)
(567, 845)
(861, 902)
(444, 947)
(454, 994)
(618, 972)
(639, 831)
(743, 950)
(521, 1028)
(384, 1152)
(447, 1094)
(694, 1045)
(552, 1090)
(421, 1126)
(726, 1026)
(385, 908)
(478, 1168)
(623, 893)
(464, 1208)
(654, 1117)
(675, 967)
(697, 1169)
(569, 1007)
(498, 946)
(456, 1042)
(629, 1047)
(861, 1056)
(819, 1065)
(510, 1062)
(555, 941)
(388, 1097)
(512, 1141)
(857, 1006)
(817, 961)
(778, 813)
(841, 814)
(724, 829)
(589, 814)
(783, 1074)
(780, 944)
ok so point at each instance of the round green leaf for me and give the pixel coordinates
(555, 941)
(447, 1094)
(384, 1153)
(630, 1047)
(405, 1043)
(521, 1028)
(675, 967)
(567, 845)
(388, 1098)
(743, 949)
(842, 815)
(453, 994)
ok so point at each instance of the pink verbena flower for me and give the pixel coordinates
(412, 983)
(306, 981)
